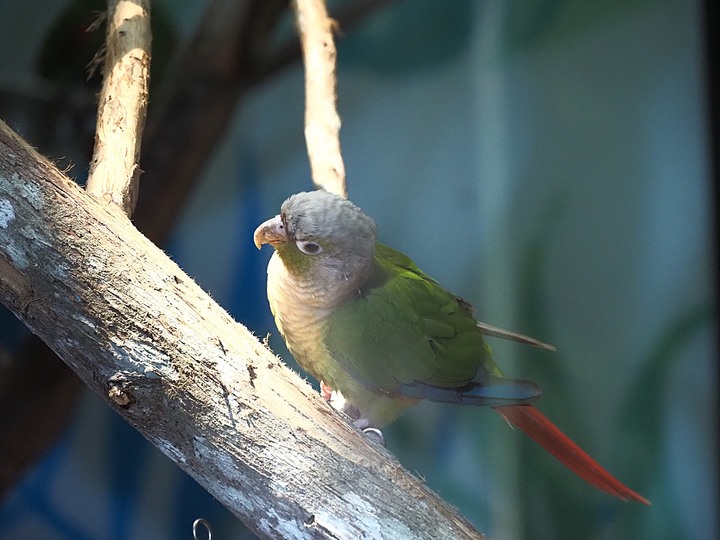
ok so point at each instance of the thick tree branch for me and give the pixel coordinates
(198, 385)
(114, 171)
(322, 122)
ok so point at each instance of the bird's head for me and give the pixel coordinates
(320, 233)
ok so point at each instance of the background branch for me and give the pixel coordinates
(322, 122)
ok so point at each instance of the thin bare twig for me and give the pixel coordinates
(322, 123)
(114, 171)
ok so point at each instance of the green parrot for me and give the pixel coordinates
(380, 335)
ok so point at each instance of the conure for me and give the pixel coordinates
(364, 320)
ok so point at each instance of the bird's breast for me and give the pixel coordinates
(297, 306)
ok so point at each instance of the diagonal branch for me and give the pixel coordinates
(199, 386)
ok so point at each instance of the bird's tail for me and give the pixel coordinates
(540, 429)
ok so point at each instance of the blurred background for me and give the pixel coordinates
(548, 160)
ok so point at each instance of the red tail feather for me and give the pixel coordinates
(540, 429)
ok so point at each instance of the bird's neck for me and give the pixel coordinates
(324, 290)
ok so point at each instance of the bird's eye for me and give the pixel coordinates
(309, 248)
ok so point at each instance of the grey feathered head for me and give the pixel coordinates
(324, 232)
(325, 216)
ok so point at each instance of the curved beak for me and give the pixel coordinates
(271, 232)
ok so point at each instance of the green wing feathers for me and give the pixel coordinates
(404, 328)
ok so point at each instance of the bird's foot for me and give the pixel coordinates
(337, 401)
(375, 435)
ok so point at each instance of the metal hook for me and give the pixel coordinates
(196, 526)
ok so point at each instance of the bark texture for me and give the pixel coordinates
(114, 170)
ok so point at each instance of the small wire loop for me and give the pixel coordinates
(197, 525)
